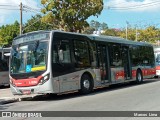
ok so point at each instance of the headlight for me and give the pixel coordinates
(11, 82)
(44, 79)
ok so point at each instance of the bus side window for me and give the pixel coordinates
(0, 55)
(61, 52)
(64, 53)
(93, 55)
(81, 53)
(115, 55)
(3, 65)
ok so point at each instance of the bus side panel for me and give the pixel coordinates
(69, 82)
(117, 75)
(55, 84)
(4, 78)
(149, 72)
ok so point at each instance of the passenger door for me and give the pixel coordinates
(126, 62)
(103, 62)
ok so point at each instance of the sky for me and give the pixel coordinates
(116, 13)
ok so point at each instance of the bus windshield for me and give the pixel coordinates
(29, 57)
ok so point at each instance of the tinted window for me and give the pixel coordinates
(81, 53)
(115, 55)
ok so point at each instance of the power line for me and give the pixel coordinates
(139, 4)
(26, 6)
(9, 5)
(119, 3)
(135, 6)
(31, 24)
(30, 9)
(8, 9)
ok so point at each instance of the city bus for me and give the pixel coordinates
(157, 60)
(58, 62)
(4, 66)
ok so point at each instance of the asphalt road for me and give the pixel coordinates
(126, 97)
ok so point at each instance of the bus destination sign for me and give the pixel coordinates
(31, 37)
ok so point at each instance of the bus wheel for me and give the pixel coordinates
(139, 77)
(86, 84)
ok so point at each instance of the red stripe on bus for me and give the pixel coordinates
(134, 73)
(27, 82)
(157, 67)
(149, 71)
(119, 75)
(146, 72)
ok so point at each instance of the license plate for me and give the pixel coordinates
(26, 92)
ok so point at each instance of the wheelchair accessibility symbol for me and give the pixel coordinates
(28, 68)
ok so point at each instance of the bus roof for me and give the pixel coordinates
(104, 38)
(101, 38)
(116, 40)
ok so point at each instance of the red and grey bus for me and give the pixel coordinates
(57, 62)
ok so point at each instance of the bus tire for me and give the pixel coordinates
(86, 84)
(139, 76)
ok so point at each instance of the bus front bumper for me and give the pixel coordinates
(39, 89)
(157, 72)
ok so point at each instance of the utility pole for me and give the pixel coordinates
(136, 33)
(20, 18)
(127, 29)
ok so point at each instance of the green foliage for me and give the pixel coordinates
(112, 32)
(95, 26)
(149, 34)
(89, 30)
(104, 26)
(70, 15)
(8, 32)
(35, 24)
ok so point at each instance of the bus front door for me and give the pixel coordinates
(102, 63)
(126, 63)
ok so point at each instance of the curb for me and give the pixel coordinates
(7, 100)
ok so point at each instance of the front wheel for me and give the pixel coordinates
(86, 84)
(139, 77)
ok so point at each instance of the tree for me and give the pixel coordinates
(95, 24)
(35, 24)
(70, 15)
(112, 32)
(8, 32)
(150, 34)
(104, 26)
(89, 30)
